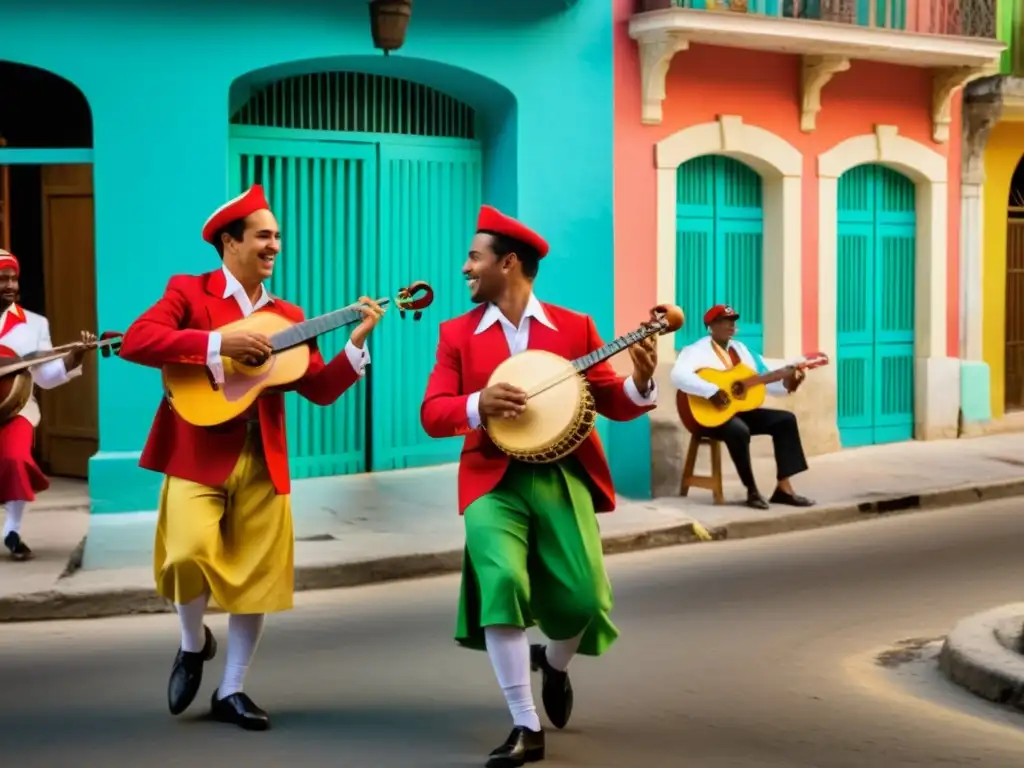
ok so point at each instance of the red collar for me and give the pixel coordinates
(13, 316)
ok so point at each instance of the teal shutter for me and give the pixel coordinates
(719, 246)
(875, 306)
(375, 182)
(429, 199)
(889, 14)
(324, 196)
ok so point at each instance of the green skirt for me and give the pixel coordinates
(533, 557)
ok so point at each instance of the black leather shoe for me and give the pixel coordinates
(187, 674)
(240, 710)
(521, 747)
(792, 499)
(19, 549)
(756, 501)
(556, 688)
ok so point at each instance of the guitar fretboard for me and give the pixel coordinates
(302, 332)
(615, 346)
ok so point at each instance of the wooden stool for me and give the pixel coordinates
(712, 482)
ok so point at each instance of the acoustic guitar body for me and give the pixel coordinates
(15, 388)
(705, 414)
(190, 388)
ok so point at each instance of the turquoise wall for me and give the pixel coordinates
(160, 81)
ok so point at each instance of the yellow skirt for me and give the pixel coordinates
(235, 541)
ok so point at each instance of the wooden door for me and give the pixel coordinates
(69, 432)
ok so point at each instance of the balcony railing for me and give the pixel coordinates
(961, 18)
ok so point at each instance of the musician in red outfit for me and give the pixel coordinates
(22, 333)
(533, 547)
(225, 526)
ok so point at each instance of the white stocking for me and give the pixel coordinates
(509, 650)
(12, 522)
(560, 652)
(193, 637)
(244, 633)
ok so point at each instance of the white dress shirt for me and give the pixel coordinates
(33, 335)
(518, 340)
(359, 358)
(701, 354)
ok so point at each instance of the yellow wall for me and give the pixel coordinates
(1003, 151)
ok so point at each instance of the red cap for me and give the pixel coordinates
(245, 204)
(719, 311)
(9, 261)
(493, 220)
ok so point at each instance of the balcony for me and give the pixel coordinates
(956, 39)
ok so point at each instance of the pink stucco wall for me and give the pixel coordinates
(763, 88)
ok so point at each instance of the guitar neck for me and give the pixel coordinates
(302, 332)
(615, 346)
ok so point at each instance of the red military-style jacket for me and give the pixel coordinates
(465, 361)
(176, 330)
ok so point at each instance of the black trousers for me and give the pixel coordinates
(781, 425)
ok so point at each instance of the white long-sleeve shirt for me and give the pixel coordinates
(28, 332)
(702, 354)
(519, 338)
(359, 358)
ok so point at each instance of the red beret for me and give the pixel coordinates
(719, 311)
(8, 261)
(493, 220)
(245, 204)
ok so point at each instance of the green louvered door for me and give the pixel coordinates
(324, 196)
(429, 196)
(719, 236)
(375, 182)
(875, 306)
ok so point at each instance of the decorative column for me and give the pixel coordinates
(982, 108)
(979, 118)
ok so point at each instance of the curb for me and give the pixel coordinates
(59, 604)
(976, 656)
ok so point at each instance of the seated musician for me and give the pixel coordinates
(721, 351)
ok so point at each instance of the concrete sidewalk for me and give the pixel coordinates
(366, 528)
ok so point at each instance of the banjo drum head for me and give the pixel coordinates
(549, 414)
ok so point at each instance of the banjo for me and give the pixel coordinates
(560, 412)
(16, 374)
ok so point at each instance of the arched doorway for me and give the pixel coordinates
(46, 219)
(875, 292)
(1014, 387)
(376, 182)
(719, 245)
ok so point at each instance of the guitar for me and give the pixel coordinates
(16, 370)
(744, 388)
(192, 393)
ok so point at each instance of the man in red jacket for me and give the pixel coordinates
(533, 546)
(225, 526)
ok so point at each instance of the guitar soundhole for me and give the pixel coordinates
(738, 390)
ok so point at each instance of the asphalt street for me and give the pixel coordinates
(754, 654)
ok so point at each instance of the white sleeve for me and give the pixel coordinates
(359, 358)
(634, 394)
(684, 376)
(473, 410)
(51, 374)
(213, 361)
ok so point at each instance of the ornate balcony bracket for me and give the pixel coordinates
(657, 48)
(816, 72)
(945, 81)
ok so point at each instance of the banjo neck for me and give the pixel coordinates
(615, 346)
